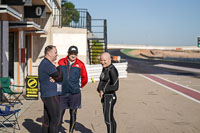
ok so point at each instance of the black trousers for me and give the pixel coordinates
(108, 102)
(52, 114)
(73, 113)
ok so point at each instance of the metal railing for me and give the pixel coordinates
(75, 18)
(97, 40)
(98, 29)
(80, 18)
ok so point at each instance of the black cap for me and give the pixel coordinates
(73, 49)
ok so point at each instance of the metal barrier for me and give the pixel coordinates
(97, 40)
(75, 18)
(94, 71)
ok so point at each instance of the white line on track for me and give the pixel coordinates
(172, 88)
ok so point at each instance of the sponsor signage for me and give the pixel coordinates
(198, 42)
(34, 12)
(17, 2)
(32, 87)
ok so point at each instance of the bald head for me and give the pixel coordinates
(105, 59)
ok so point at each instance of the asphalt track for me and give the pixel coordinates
(150, 68)
(151, 99)
(142, 106)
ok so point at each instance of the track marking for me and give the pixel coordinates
(180, 89)
(179, 68)
(178, 84)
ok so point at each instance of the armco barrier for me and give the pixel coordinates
(94, 71)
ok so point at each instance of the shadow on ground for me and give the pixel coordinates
(78, 127)
(33, 127)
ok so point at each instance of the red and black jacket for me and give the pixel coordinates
(74, 77)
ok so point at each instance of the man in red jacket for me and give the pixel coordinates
(75, 77)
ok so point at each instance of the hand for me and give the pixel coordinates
(101, 94)
(51, 79)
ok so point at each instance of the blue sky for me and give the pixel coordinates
(147, 22)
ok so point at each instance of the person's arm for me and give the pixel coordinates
(104, 81)
(101, 94)
(57, 76)
(84, 76)
(113, 73)
(100, 89)
(114, 81)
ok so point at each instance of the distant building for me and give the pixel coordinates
(24, 32)
(28, 26)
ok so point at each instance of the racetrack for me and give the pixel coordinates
(150, 100)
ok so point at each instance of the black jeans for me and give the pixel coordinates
(52, 114)
(108, 102)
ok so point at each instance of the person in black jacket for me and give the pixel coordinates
(108, 85)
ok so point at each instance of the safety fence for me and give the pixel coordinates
(75, 18)
(94, 71)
